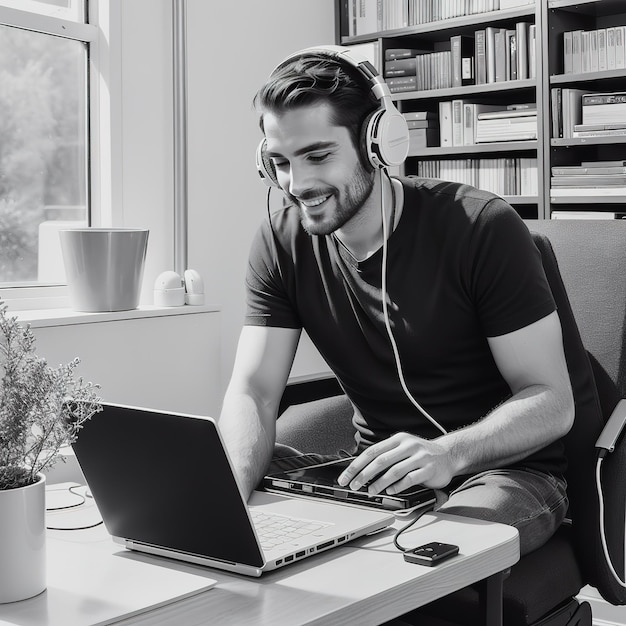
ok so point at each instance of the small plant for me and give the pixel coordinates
(41, 408)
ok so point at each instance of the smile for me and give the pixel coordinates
(314, 202)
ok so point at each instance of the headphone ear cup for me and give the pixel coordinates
(365, 144)
(265, 166)
(386, 138)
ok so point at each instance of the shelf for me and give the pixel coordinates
(434, 30)
(466, 91)
(482, 148)
(588, 7)
(587, 141)
(552, 19)
(587, 77)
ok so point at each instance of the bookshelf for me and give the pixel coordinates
(416, 26)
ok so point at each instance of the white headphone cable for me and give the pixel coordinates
(392, 340)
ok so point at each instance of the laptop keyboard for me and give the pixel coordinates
(274, 529)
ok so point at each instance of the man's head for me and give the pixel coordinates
(318, 78)
(311, 111)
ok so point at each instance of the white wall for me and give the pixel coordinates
(229, 58)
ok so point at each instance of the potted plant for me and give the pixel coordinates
(42, 408)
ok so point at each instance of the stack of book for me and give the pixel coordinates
(503, 176)
(594, 50)
(603, 115)
(511, 124)
(590, 178)
(504, 54)
(566, 111)
(423, 130)
(370, 16)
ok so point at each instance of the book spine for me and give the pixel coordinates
(445, 123)
(457, 122)
(567, 53)
(480, 57)
(469, 120)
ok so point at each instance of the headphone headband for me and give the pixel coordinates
(385, 134)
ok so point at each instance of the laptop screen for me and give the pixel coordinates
(164, 480)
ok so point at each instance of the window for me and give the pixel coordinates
(44, 135)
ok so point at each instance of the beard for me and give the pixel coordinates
(348, 202)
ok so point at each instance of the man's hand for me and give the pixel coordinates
(400, 462)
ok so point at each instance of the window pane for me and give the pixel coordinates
(66, 9)
(43, 162)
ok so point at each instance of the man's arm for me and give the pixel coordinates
(248, 418)
(541, 410)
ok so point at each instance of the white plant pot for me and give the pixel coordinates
(23, 541)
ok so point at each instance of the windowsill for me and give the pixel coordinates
(68, 317)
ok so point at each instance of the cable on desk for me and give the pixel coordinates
(396, 543)
(83, 499)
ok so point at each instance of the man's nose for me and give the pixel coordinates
(300, 177)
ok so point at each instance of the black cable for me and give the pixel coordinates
(419, 515)
(83, 499)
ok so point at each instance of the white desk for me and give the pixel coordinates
(363, 582)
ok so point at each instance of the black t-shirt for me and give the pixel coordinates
(461, 267)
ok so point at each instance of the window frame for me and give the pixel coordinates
(101, 20)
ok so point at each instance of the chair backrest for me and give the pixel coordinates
(591, 258)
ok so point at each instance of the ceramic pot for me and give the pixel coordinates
(23, 541)
(104, 267)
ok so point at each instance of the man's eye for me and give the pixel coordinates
(318, 158)
(279, 163)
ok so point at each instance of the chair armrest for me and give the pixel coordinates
(612, 429)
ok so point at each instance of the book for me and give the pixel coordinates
(445, 123)
(600, 133)
(511, 55)
(589, 180)
(480, 57)
(457, 122)
(420, 124)
(402, 83)
(471, 111)
(532, 51)
(401, 67)
(490, 53)
(392, 54)
(498, 113)
(584, 127)
(556, 109)
(461, 53)
(500, 54)
(419, 115)
(521, 34)
(577, 170)
(571, 102)
(567, 53)
(602, 58)
(577, 60)
(588, 191)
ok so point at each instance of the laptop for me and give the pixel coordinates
(164, 485)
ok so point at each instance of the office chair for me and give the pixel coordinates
(585, 263)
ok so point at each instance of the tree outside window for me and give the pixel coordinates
(43, 148)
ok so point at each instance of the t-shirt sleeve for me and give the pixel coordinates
(508, 282)
(268, 273)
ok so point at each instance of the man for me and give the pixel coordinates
(478, 397)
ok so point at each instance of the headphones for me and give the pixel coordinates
(384, 133)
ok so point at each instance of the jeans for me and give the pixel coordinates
(532, 501)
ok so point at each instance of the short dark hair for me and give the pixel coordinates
(317, 77)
